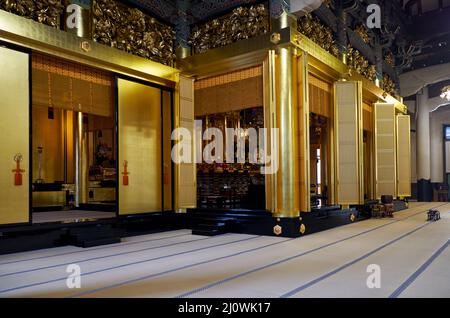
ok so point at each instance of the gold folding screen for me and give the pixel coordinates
(14, 138)
(349, 143)
(139, 121)
(186, 172)
(385, 146)
(403, 156)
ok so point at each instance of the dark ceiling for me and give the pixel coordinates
(197, 10)
(431, 30)
(426, 35)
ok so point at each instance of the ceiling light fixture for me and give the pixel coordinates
(446, 93)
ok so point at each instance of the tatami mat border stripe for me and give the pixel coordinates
(421, 269)
(127, 264)
(195, 291)
(329, 274)
(96, 249)
(102, 257)
(180, 268)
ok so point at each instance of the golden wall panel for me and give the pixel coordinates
(349, 138)
(14, 139)
(385, 145)
(403, 156)
(167, 150)
(140, 145)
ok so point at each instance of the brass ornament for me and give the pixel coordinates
(302, 229)
(277, 230)
(388, 85)
(389, 59)
(86, 46)
(275, 38)
(363, 34)
(352, 217)
(242, 23)
(322, 35)
(130, 30)
(43, 11)
(357, 62)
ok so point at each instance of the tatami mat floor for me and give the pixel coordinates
(413, 257)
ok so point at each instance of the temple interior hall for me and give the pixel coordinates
(224, 149)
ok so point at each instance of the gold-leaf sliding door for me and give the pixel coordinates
(186, 172)
(349, 143)
(385, 145)
(403, 156)
(14, 138)
(139, 136)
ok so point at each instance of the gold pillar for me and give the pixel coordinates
(287, 122)
(270, 121)
(81, 161)
(303, 134)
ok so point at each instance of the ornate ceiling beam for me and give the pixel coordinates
(203, 10)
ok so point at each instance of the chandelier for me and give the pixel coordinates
(446, 93)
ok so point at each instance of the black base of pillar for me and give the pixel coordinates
(414, 191)
(307, 223)
(424, 191)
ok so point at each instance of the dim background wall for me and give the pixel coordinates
(438, 118)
